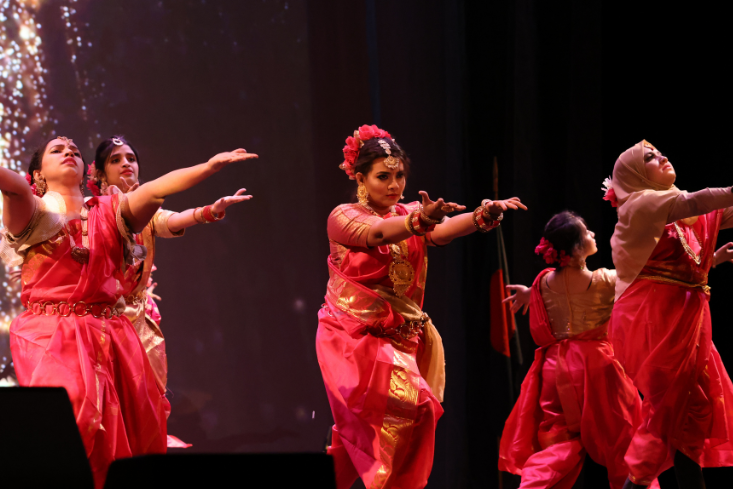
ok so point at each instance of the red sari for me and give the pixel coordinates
(100, 361)
(575, 399)
(385, 411)
(661, 331)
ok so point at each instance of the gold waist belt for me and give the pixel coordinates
(65, 309)
(407, 330)
(666, 280)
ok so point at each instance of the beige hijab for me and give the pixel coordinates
(644, 207)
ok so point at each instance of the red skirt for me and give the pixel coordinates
(662, 335)
(119, 408)
(575, 400)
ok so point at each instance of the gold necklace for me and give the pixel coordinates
(401, 272)
(695, 257)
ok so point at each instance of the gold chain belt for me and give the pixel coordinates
(407, 330)
(666, 280)
(65, 309)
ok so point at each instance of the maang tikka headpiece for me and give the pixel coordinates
(390, 162)
(355, 143)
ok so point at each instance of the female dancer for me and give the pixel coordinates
(661, 330)
(116, 166)
(73, 334)
(576, 398)
(380, 356)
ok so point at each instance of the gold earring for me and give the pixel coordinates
(362, 195)
(41, 186)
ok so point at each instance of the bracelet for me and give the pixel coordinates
(428, 220)
(209, 216)
(200, 221)
(482, 224)
(415, 226)
(487, 202)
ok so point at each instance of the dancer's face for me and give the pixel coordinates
(658, 168)
(385, 186)
(588, 243)
(61, 163)
(122, 166)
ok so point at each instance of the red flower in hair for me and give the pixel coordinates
(547, 251)
(564, 259)
(93, 187)
(609, 195)
(354, 144)
(29, 179)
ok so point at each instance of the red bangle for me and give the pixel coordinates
(210, 216)
(481, 222)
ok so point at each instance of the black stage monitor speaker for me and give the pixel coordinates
(40, 444)
(235, 470)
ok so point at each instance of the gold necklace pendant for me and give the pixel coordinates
(401, 272)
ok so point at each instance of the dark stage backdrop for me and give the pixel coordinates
(554, 91)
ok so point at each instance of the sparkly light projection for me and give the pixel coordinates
(23, 115)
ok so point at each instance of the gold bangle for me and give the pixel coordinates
(202, 221)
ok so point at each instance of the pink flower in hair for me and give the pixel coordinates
(610, 194)
(354, 144)
(547, 251)
(93, 187)
(29, 179)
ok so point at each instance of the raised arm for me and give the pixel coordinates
(463, 224)
(700, 202)
(18, 204)
(147, 199)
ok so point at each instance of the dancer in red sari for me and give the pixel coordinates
(74, 334)
(116, 168)
(380, 355)
(661, 330)
(576, 398)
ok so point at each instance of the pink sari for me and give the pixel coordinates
(385, 411)
(575, 399)
(661, 332)
(119, 408)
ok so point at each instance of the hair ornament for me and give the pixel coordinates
(65, 139)
(354, 144)
(550, 254)
(117, 141)
(29, 179)
(390, 162)
(609, 193)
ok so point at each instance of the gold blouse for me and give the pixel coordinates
(590, 308)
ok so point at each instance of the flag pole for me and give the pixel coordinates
(503, 261)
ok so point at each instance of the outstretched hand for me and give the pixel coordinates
(220, 205)
(496, 207)
(723, 254)
(439, 209)
(520, 299)
(150, 290)
(227, 158)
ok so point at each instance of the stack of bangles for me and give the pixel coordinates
(419, 223)
(206, 215)
(483, 221)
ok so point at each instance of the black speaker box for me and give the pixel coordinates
(255, 470)
(40, 445)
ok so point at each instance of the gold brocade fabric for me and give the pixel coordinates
(590, 308)
(48, 219)
(431, 362)
(136, 302)
(150, 336)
